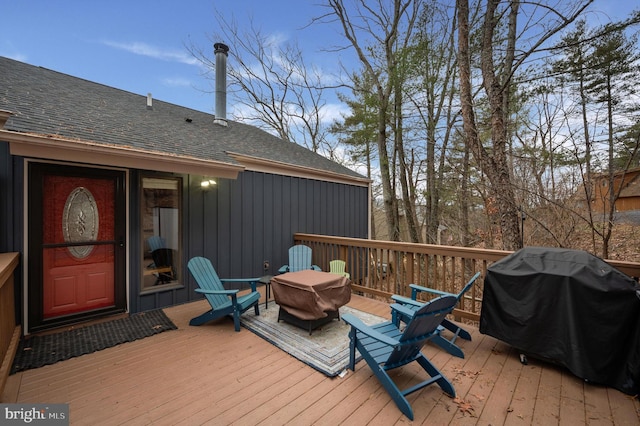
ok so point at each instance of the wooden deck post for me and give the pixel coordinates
(9, 331)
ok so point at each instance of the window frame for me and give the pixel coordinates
(150, 281)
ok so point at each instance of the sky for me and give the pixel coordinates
(139, 45)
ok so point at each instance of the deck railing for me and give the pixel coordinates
(9, 331)
(382, 268)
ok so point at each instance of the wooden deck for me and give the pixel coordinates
(212, 375)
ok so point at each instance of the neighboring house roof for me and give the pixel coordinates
(631, 183)
(54, 112)
(632, 188)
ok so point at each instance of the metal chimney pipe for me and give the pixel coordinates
(221, 51)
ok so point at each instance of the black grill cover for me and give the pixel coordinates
(568, 307)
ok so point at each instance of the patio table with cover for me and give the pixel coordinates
(309, 298)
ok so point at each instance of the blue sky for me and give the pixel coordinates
(139, 45)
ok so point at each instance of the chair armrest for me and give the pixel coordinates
(406, 300)
(415, 289)
(223, 292)
(356, 323)
(283, 269)
(402, 309)
(253, 282)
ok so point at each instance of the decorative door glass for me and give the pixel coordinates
(78, 244)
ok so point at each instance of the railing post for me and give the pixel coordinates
(9, 331)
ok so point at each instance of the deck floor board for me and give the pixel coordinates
(213, 375)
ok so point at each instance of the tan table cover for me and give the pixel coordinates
(309, 294)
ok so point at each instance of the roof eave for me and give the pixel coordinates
(54, 147)
(281, 168)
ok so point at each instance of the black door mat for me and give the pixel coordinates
(37, 351)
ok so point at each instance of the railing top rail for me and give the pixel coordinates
(465, 252)
(630, 268)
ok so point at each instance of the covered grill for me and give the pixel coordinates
(567, 307)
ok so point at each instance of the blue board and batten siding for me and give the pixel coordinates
(11, 196)
(238, 224)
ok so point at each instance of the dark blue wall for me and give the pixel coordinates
(238, 224)
(11, 201)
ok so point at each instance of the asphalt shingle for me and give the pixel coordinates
(51, 103)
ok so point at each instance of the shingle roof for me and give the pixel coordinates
(51, 103)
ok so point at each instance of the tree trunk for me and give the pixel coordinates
(494, 165)
(388, 195)
(405, 172)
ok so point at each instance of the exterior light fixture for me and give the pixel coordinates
(207, 183)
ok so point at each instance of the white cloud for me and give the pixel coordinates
(144, 49)
(176, 82)
(334, 112)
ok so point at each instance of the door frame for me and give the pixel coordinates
(34, 278)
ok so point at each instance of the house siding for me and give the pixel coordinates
(629, 198)
(11, 215)
(238, 224)
(11, 201)
(257, 215)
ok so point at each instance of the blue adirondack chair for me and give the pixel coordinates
(223, 302)
(448, 344)
(299, 260)
(385, 347)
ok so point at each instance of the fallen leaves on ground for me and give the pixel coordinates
(466, 373)
(465, 407)
(478, 397)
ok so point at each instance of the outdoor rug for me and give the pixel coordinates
(326, 349)
(37, 351)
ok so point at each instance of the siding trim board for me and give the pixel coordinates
(280, 168)
(56, 148)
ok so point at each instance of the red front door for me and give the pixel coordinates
(78, 278)
(80, 244)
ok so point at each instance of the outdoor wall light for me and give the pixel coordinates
(205, 184)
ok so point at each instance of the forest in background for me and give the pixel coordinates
(492, 120)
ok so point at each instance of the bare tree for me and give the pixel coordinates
(270, 83)
(500, 59)
(374, 30)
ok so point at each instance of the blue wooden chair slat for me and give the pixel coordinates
(156, 242)
(385, 346)
(413, 305)
(223, 302)
(299, 260)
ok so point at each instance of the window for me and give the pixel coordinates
(160, 211)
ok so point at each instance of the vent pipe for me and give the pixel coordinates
(222, 51)
(149, 101)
